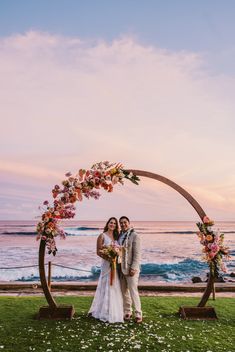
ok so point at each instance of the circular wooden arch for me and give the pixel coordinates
(53, 307)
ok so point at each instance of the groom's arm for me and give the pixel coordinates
(136, 253)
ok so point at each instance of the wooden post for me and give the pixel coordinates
(49, 275)
(50, 300)
(213, 292)
(208, 290)
(52, 311)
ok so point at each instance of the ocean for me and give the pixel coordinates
(171, 251)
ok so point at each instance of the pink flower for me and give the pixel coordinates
(62, 234)
(214, 247)
(206, 220)
(211, 255)
(45, 202)
(68, 174)
(115, 180)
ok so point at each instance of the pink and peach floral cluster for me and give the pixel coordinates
(213, 246)
(85, 183)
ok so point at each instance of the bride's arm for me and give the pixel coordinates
(99, 246)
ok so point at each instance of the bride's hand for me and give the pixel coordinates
(132, 272)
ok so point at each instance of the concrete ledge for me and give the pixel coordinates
(91, 286)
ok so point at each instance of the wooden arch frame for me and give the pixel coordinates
(55, 311)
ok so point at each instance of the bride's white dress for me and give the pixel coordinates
(107, 304)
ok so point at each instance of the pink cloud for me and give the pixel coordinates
(67, 103)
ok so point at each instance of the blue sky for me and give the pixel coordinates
(197, 25)
(147, 83)
(205, 26)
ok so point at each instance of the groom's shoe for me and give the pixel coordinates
(127, 317)
(138, 320)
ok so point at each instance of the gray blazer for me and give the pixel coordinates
(131, 253)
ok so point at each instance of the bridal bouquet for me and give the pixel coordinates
(112, 253)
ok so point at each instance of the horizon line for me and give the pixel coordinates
(131, 220)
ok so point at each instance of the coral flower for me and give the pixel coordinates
(209, 238)
(110, 188)
(73, 199)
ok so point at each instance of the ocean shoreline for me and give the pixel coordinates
(171, 252)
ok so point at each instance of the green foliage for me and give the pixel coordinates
(132, 177)
(162, 329)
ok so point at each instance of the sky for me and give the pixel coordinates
(146, 83)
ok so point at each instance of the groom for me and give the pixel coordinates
(130, 269)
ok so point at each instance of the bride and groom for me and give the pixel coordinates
(117, 288)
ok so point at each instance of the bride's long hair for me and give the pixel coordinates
(115, 231)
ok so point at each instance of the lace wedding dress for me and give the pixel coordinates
(107, 304)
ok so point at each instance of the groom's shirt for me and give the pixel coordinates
(123, 236)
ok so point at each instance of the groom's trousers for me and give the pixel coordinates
(129, 287)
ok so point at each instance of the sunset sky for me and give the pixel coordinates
(147, 83)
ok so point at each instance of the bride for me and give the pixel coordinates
(107, 304)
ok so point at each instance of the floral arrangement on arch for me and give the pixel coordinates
(213, 246)
(85, 183)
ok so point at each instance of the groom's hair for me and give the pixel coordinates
(124, 217)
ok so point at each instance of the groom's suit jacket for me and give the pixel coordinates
(131, 253)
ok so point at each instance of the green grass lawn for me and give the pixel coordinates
(162, 329)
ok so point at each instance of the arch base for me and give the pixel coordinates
(53, 310)
(60, 312)
(197, 313)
